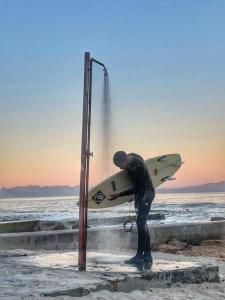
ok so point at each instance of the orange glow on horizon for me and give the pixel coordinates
(195, 170)
(60, 165)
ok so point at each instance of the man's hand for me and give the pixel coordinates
(113, 196)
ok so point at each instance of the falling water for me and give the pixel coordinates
(106, 125)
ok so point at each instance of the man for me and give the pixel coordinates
(144, 195)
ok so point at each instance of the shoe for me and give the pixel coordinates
(137, 259)
(148, 258)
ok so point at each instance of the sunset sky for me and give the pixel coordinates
(167, 74)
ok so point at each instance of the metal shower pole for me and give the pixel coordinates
(85, 155)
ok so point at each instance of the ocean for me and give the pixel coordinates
(188, 207)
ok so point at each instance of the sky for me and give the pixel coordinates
(167, 70)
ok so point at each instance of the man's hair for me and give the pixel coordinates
(119, 158)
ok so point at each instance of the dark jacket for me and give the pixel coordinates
(138, 172)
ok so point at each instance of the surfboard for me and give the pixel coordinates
(160, 168)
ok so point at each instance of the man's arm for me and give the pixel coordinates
(138, 180)
(128, 192)
(139, 177)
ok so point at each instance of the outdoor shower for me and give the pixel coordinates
(85, 154)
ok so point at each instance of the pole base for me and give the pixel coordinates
(82, 267)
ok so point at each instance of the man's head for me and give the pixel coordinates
(121, 159)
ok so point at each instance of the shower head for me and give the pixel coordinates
(101, 64)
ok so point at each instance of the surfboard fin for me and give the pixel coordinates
(162, 158)
(113, 185)
(167, 178)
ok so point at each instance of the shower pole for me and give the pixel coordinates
(85, 155)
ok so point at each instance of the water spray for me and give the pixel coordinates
(106, 122)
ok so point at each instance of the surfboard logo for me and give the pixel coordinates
(98, 197)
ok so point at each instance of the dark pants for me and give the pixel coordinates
(144, 206)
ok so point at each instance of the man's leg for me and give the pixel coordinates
(147, 247)
(142, 232)
(141, 229)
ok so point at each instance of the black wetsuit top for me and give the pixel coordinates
(140, 177)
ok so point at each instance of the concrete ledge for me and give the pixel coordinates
(129, 282)
(118, 220)
(37, 225)
(193, 233)
(119, 277)
(19, 226)
(112, 237)
(56, 274)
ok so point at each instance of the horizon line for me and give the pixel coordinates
(75, 186)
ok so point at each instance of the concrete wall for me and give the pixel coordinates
(192, 233)
(19, 226)
(37, 225)
(112, 237)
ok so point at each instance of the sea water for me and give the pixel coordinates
(188, 207)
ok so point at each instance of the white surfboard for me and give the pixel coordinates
(160, 168)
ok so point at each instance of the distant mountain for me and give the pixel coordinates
(204, 188)
(63, 190)
(38, 191)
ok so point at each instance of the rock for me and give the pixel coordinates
(213, 243)
(177, 243)
(52, 225)
(167, 248)
(209, 248)
(172, 246)
(217, 218)
(15, 253)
